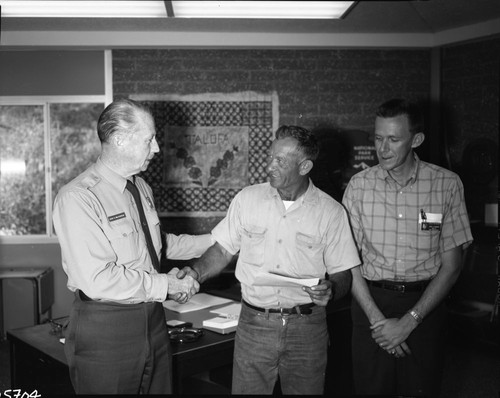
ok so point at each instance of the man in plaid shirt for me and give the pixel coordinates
(410, 224)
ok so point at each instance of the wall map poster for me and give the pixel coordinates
(215, 157)
(211, 146)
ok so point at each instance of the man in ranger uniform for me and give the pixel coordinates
(109, 232)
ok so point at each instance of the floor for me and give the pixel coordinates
(472, 367)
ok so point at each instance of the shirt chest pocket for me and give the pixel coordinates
(123, 238)
(310, 251)
(427, 241)
(253, 245)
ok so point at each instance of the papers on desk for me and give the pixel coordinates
(273, 279)
(226, 321)
(197, 302)
(231, 311)
(220, 325)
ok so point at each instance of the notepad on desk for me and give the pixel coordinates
(220, 325)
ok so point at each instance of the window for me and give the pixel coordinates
(43, 145)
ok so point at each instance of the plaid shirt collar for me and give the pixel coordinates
(384, 174)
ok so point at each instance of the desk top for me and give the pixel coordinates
(22, 272)
(40, 338)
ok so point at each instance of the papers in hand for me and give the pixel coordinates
(197, 302)
(273, 279)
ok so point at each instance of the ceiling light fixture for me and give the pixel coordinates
(83, 9)
(262, 9)
(180, 9)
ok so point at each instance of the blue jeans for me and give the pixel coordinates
(291, 346)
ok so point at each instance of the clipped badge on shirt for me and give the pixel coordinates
(430, 221)
(116, 217)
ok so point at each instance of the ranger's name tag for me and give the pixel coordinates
(116, 217)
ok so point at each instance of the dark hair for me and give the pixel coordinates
(121, 115)
(412, 110)
(307, 142)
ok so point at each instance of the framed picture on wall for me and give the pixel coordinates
(211, 146)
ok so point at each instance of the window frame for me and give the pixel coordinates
(45, 101)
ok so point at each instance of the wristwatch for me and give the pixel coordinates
(416, 316)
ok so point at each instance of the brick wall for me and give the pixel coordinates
(327, 90)
(470, 105)
(470, 88)
(339, 87)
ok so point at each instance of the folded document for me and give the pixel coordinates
(273, 279)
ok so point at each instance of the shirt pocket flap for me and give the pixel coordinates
(120, 229)
(308, 241)
(122, 237)
(254, 231)
(310, 251)
(253, 245)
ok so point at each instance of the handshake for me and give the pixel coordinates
(182, 284)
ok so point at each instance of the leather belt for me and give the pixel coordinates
(401, 287)
(304, 309)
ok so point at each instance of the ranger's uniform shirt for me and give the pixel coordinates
(310, 238)
(103, 248)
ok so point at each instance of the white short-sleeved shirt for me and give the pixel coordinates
(309, 239)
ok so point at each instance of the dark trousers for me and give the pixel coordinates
(118, 349)
(377, 372)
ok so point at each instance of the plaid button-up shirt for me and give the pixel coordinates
(386, 221)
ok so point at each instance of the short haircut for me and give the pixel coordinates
(122, 115)
(307, 142)
(397, 107)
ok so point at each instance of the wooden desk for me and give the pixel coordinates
(38, 361)
(211, 351)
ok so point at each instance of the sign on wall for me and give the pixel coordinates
(362, 154)
(211, 146)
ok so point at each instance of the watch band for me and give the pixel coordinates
(416, 316)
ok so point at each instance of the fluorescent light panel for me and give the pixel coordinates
(182, 9)
(83, 9)
(261, 9)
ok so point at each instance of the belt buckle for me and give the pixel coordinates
(401, 288)
(284, 312)
(284, 316)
